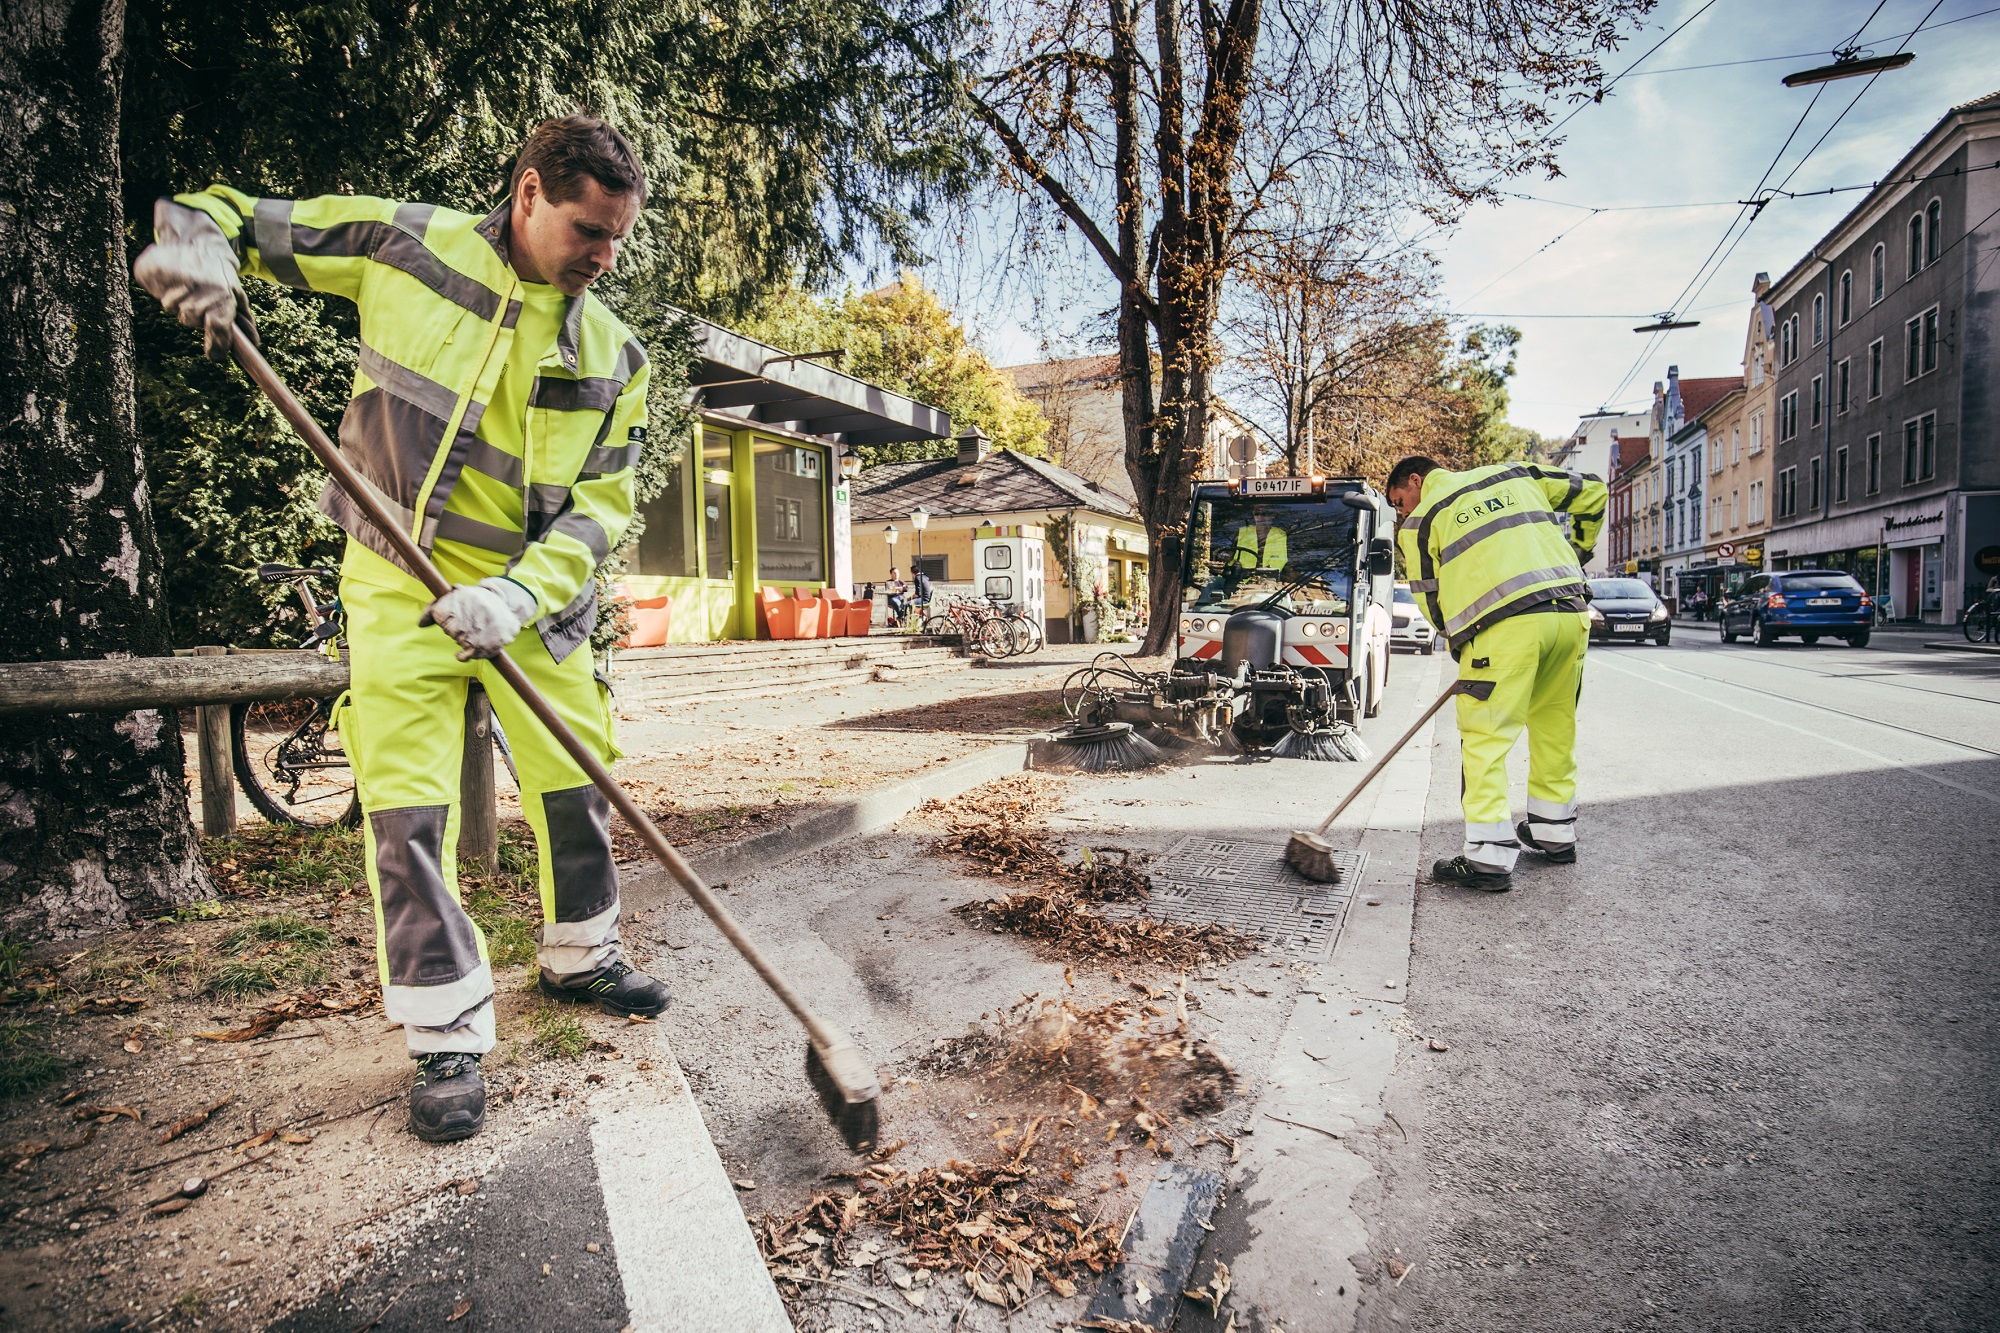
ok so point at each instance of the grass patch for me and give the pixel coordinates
(25, 1063)
(279, 860)
(278, 952)
(557, 1035)
(509, 925)
(11, 954)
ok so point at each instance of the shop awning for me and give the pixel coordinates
(760, 383)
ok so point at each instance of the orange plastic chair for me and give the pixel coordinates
(806, 615)
(652, 619)
(860, 617)
(773, 621)
(833, 616)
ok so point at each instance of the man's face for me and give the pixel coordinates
(1405, 494)
(571, 244)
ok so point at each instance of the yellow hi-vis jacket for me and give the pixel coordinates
(1491, 542)
(1253, 552)
(439, 301)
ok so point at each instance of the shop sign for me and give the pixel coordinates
(1895, 525)
(840, 495)
(1753, 555)
(1988, 560)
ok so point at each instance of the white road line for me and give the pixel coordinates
(1821, 736)
(684, 1250)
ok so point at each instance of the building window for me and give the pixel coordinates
(1933, 232)
(1715, 515)
(1819, 318)
(1756, 503)
(1878, 264)
(1733, 496)
(1840, 388)
(1874, 464)
(1735, 446)
(1756, 433)
(1813, 489)
(1788, 416)
(791, 497)
(1927, 446)
(1788, 492)
(1840, 476)
(1875, 369)
(1920, 344)
(1846, 297)
(1818, 391)
(1930, 318)
(1916, 244)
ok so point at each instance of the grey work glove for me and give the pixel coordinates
(484, 617)
(191, 270)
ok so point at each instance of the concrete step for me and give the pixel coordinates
(649, 688)
(773, 668)
(759, 650)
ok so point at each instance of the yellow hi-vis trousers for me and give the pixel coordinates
(404, 731)
(1536, 663)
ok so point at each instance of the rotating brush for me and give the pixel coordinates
(1336, 744)
(1096, 747)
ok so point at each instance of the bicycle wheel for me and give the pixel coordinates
(993, 639)
(1977, 624)
(1035, 639)
(288, 767)
(941, 626)
(1020, 634)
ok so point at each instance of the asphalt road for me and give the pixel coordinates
(1736, 1068)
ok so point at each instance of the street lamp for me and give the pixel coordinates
(920, 518)
(1848, 64)
(850, 465)
(1665, 321)
(889, 535)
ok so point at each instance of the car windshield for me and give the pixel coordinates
(1296, 555)
(1404, 597)
(1620, 590)
(1819, 583)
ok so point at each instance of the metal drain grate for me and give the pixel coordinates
(1244, 884)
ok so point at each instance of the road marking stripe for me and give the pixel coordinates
(1804, 731)
(684, 1249)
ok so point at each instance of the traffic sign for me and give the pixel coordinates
(1726, 551)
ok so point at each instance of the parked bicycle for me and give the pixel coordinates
(287, 752)
(986, 626)
(1981, 619)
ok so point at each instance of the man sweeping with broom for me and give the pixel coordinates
(498, 412)
(1501, 574)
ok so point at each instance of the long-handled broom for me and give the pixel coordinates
(1310, 853)
(838, 1071)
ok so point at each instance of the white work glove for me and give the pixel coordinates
(191, 269)
(484, 617)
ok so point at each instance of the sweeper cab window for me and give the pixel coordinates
(1300, 555)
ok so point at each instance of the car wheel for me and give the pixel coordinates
(1810, 639)
(1728, 634)
(1430, 645)
(1765, 636)
(1662, 640)
(1858, 640)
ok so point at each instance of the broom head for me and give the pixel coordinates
(1312, 856)
(1337, 744)
(1101, 747)
(847, 1088)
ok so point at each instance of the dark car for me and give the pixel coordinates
(1627, 609)
(1808, 603)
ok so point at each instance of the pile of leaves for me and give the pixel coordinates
(999, 1223)
(1001, 834)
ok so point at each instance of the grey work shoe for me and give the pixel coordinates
(618, 990)
(1466, 875)
(448, 1100)
(1561, 853)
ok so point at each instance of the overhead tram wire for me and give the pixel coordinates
(1802, 55)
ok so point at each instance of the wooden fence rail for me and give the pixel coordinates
(211, 681)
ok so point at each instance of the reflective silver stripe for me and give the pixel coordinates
(486, 536)
(1468, 540)
(492, 462)
(1564, 574)
(1423, 585)
(406, 384)
(630, 357)
(415, 218)
(609, 458)
(545, 497)
(585, 395)
(513, 315)
(438, 1006)
(272, 227)
(585, 529)
(387, 243)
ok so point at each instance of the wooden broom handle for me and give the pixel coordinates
(1479, 689)
(365, 496)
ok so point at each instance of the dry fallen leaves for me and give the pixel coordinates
(459, 1311)
(189, 1123)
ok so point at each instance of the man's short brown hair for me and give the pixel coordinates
(565, 150)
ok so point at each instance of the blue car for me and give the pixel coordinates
(1804, 603)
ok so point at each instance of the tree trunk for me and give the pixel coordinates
(94, 823)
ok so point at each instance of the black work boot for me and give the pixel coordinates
(1562, 853)
(1466, 875)
(617, 990)
(448, 1100)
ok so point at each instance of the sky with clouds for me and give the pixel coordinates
(1696, 140)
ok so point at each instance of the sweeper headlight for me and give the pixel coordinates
(1214, 626)
(1310, 629)
(1185, 626)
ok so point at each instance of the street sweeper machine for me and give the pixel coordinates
(1283, 638)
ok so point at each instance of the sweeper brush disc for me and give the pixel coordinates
(1105, 747)
(1337, 744)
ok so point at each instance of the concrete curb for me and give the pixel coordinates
(859, 815)
(1964, 647)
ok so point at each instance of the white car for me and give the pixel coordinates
(1409, 629)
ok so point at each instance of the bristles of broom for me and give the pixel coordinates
(1165, 739)
(1110, 747)
(1336, 744)
(848, 1090)
(1312, 856)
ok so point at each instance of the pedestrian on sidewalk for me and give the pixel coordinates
(466, 323)
(920, 592)
(1486, 550)
(899, 596)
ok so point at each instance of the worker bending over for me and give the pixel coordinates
(498, 409)
(1501, 574)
